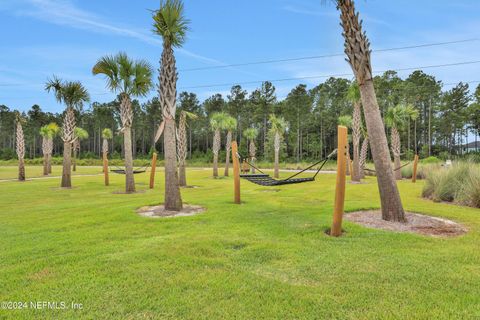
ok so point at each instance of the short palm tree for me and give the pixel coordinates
(129, 79)
(80, 134)
(397, 118)
(229, 124)
(217, 123)
(20, 148)
(279, 126)
(182, 146)
(251, 134)
(170, 23)
(55, 131)
(347, 121)
(354, 97)
(73, 94)
(106, 135)
(46, 136)
(363, 154)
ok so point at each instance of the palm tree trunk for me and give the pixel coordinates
(127, 142)
(67, 165)
(276, 142)
(363, 157)
(182, 175)
(396, 153)
(216, 150)
(74, 160)
(357, 48)
(228, 146)
(21, 169)
(348, 160)
(49, 163)
(173, 198)
(252, 150)
(356, 127)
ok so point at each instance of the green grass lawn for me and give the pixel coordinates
(268, 258)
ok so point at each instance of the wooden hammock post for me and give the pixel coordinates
(415, 165)
(105, 169)
(236, 172)
(336, 229)
(152, 171)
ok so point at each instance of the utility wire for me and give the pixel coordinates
(426, 45)
(328, 76)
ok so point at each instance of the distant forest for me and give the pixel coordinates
(446, 119)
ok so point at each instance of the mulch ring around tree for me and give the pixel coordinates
(160, 212)
(416, 223)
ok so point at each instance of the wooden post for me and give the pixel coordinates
(415, 165)
(152, 170)
(105, 169)
(236, 172)
(336, 230)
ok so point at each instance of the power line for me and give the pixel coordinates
(326, 55)
(327, 76)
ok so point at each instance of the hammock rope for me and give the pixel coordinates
(396, 169)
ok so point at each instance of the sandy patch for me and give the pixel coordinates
(160, 212)
(416, 223)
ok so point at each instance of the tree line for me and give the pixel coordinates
(445, 119)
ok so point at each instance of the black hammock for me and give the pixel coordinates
(135, 170)
(265, 180)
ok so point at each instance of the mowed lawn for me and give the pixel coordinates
(268, 258)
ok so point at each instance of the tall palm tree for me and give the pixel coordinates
(397, 118)
(347, 121)
(279, 126)
(182, 146)
(129, 79)
(20, 146)
(229, 124)
(354, 97)
(217, 123)
(171, 24)
(80, 134)
(357, 49)
(73, 94)
(251, 134)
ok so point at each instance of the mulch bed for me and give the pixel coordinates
(160, 212)
(416, 223)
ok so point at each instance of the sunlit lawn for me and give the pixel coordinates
(267, 258)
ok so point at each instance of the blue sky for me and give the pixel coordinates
(66, 37)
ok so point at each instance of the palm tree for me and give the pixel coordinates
(229, 124)
(363, 154)
(171, 24)
(182, 146)
(354, 97)
(54, 130)
(20, 144)
(357, 49)
(106, 135)
(279, 126)
(217, 123)
(251, 134)
(46, 136)
(80, 134)
(73, 94)
(347, 121)
(129, 79)
(397, 118)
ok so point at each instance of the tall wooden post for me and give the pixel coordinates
(152, 170)
(236, 172)
(415, 166)
(336, 229)
(105, 169)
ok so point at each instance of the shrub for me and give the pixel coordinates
(460, 184)
(430, 159)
